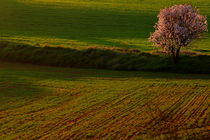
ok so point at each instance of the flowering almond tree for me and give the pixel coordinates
(177, 26)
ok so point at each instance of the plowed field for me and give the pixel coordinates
(61, 103)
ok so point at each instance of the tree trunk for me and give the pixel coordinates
(175, 55)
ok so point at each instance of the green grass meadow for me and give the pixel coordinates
(79, 24)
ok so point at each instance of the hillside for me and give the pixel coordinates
(84, 69)
(49, 103)
(80, 24)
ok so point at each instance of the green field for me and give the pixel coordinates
(59, 103)
(84, 23)
(53, 103)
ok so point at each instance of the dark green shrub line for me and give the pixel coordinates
(102, 59)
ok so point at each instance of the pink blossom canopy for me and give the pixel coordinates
(178, 26)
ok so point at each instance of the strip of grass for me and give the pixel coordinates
(118, 59)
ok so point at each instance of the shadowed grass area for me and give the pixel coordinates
(117, 59)
(59, 103)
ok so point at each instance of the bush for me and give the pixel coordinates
(103, 59)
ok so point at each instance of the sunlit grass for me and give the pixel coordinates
(132, 5)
